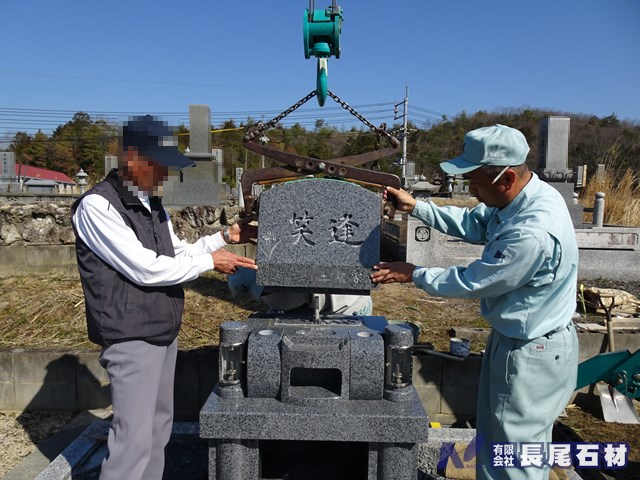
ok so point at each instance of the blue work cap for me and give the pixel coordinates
(497, 145)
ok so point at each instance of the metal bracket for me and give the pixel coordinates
(299, 165)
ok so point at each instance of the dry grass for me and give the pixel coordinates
(48, 312)
(41, 312)
(622, 194)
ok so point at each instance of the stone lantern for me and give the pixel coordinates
(82, 180)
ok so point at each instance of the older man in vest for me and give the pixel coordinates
(131, 266)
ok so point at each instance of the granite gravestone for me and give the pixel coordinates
(553, 162)
(318, 235)
(553, 149)
(198, 185)
(315, 397)
(110, 162)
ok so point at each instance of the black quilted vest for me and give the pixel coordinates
(117, 309)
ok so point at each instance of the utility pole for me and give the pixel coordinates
(405, 116)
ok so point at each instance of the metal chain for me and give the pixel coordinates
(380, 131)
(346, 106)
(262, 126)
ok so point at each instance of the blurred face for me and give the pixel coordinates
(142, 172)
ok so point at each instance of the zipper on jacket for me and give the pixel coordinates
(155, 234)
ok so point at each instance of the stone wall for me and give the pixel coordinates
(38, 238)
(605, 252)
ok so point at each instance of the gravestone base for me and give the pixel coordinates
(365, 440)
(314, 405)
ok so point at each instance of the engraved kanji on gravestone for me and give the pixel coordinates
(320, 235)
(301, 228)
(343, 231)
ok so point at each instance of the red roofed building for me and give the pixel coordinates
(28, 172)
(21, 178)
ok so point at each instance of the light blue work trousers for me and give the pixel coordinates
(524, 387)
(142, 377)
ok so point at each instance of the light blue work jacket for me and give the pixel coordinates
(526, 278)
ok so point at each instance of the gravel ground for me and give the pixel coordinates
(21, 432)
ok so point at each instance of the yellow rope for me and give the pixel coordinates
(216, 131)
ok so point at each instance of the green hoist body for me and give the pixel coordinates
(321, 36)
(619, 369)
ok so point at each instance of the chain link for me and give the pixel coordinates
(261, 126)
(380, 131)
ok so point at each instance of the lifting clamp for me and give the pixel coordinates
(345, 168)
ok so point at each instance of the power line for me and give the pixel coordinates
(32, 120)
(18, 117)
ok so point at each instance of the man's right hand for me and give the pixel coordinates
(405, 202)
(243, 231)
(227, 262)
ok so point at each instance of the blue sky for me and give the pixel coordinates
(245, 57)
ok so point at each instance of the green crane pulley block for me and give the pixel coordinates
(321, 35)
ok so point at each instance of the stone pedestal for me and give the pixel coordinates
(314, 406)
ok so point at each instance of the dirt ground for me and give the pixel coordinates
(48, 312)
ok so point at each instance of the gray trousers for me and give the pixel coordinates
(141, 378)
(524, 386)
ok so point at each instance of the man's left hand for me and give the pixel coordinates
(394, 272)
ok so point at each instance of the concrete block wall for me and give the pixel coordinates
(448, 389)
(72, 381)
(49, 380)
(28, 259)
(53, 380)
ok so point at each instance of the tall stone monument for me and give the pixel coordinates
(553, 149)
(9, 181)
(553, 162)
(198, 185)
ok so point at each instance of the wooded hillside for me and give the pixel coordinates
(83, 141)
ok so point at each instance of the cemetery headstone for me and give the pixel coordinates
(318, 235)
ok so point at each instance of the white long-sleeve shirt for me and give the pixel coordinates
(108, 236)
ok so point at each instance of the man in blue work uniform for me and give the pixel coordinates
(131, 265)
(526, 281)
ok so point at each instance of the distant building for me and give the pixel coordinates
(27, 172)
(31, 179)
(40, 186)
